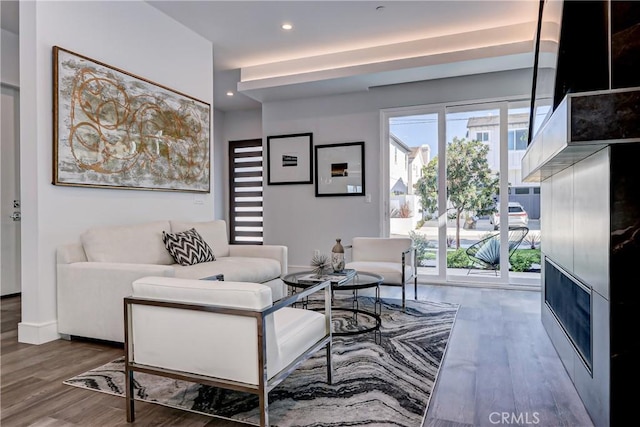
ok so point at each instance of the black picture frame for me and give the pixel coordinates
(290, 159)
(340, 169)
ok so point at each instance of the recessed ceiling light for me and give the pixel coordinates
(287, 27)
(229, 93)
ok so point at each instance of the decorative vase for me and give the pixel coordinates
(337, 257)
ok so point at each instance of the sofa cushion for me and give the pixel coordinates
(379, 249)
(134, 244)
(187, 247)
(213, 232)
(228, 294)
(297, 330)
(390, 271)
(235, 269)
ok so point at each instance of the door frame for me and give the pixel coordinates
(16, 288)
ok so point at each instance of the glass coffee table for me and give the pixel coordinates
(362, 280)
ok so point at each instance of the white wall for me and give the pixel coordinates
(219, 174)
(294, 216)
(238, 126)
(135, 37)
(9, 60)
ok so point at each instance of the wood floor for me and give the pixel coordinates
(500, 369)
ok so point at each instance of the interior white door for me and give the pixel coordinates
(10, 192)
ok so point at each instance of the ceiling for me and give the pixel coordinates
(347, 46)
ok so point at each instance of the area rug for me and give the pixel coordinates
(373, 384)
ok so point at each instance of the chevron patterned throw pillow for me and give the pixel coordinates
(187, 247)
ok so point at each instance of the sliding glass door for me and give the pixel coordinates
(447, 167)
(407, 216)
(472, 173)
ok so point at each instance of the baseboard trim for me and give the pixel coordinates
(38, 333)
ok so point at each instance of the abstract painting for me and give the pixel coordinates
(113, 129)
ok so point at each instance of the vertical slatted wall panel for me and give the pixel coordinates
(245, 192)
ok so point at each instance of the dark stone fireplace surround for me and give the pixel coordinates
(586, 159)
(590, 311)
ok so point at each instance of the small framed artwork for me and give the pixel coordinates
(340, 169)
(290, 159)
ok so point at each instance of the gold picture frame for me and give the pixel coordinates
(113, 129)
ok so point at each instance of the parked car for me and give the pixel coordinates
(518, 217)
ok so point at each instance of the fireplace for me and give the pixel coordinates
(586, 159)
(569, 301)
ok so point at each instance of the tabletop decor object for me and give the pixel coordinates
(321, 264)
(337, 256)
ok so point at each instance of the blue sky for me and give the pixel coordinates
(423, 129)
(417, 130)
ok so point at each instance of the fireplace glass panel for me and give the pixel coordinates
(571, 304)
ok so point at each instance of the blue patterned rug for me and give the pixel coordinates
(373, 384)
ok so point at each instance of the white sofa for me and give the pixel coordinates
(95, 274)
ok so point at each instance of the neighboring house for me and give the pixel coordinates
(405, 165)
(405, 168)
(398, 166)
(486, 129)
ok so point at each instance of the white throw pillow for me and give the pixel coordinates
(135, 244)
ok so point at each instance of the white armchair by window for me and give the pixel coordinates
(392, 258)
(224, 334)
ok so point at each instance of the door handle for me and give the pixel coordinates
(16, 216)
